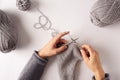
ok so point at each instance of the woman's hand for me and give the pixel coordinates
(51, 49)
(92, 60)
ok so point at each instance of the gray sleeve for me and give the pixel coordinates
(34, 68)
(106, 77)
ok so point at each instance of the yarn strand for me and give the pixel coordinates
(45, 26)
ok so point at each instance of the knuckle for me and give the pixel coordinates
(83, 45)
(88, 46)
(62, 33)
(55, 52)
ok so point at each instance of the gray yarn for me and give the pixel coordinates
(47, 25)
(105, 12)
(8, 34)
(23, 4)
(68, 62)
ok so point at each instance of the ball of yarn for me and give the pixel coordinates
(8, 34)
(23, 4)
(105, 12)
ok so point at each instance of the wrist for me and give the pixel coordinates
(99, 74)
(41, 54)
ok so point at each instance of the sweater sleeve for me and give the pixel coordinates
(106, 77)
(34, 68)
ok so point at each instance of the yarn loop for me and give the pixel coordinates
(45, 24)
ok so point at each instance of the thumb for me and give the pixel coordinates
(84, 55)
(60, 49)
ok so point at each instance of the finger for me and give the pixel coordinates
(88, 49)
(84, 55)
(61, 35)
(63, 41)
(61, 49)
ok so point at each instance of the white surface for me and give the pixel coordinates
(69, 15)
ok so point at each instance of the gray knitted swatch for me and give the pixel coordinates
(105, 12)
(68, 62)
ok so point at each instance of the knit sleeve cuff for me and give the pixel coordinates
(39, 59)
(106, 77)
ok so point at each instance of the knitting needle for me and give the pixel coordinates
(61, 44)
(73, 40)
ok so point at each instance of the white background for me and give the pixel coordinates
(66, 15)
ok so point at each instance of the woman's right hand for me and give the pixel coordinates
(92, 60)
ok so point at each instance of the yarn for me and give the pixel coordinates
(68, 62)
(45, 24)
(23, 4)
(105, 12)
(8, 34)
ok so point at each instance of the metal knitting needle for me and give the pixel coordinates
(73, 40)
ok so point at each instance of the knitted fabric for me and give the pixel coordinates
(68, 62)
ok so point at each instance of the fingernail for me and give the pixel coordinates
(67, 32)
(81, 50)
